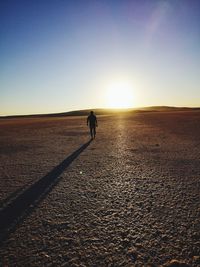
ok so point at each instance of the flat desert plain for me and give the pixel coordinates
(128, 198)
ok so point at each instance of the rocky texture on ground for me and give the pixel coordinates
(131, 198)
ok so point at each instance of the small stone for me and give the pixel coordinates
(132, 253)
(176, 263)
(196, 259)
(45, 255)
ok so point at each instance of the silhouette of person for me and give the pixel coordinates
(92, 121)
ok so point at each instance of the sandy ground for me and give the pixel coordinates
(129, 198)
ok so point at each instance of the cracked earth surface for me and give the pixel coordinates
(131, 198)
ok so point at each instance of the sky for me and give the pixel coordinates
(61, 55)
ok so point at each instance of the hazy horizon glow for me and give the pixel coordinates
(119, 95)
(59, 55)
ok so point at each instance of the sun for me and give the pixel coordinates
(119, 95)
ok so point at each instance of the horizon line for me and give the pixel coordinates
(70, 112)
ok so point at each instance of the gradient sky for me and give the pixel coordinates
(60, 55)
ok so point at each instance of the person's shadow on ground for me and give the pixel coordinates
(16, 211)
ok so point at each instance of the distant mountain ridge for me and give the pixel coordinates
(102, 111)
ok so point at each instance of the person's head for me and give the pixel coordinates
(91, 112)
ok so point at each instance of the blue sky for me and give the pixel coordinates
(62, 55)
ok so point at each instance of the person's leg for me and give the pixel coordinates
(91, 132)
(94, 131)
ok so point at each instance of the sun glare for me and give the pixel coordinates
(119, 95)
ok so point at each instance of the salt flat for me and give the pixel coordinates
(129, 198)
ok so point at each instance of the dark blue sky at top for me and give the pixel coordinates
(67, 38)
(24, 24)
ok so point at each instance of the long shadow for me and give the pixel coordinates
(18, 209)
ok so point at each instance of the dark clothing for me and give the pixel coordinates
(92, 120)
(93, 132)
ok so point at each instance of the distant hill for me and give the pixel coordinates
(85, 112)
(101, 111)
(166, 108)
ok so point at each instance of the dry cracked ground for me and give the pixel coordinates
(129, 198)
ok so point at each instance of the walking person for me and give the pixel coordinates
(92, 122)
